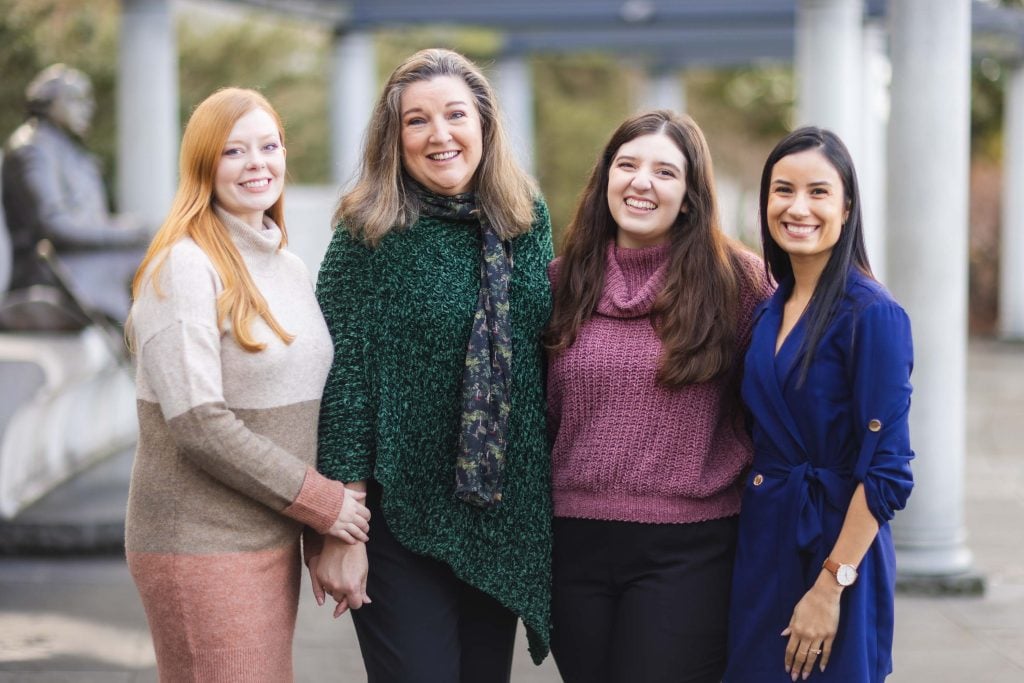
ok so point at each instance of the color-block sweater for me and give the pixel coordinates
(400, 316)
(625, 447)
(224, 477)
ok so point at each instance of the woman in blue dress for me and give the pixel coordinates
(827, 381)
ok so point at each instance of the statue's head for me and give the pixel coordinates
(64, 96)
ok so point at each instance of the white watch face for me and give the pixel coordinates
(846, 575)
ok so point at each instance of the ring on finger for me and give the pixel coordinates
(814, 652)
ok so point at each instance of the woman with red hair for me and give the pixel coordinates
(232, 355)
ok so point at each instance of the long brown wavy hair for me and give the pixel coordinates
(192, 215)
(697, 311)
(379, 201)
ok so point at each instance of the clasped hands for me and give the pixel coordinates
(340, 569)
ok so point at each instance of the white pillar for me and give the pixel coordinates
(513, 81)
(828, 55)
(871, 171)
(147, 110)
(353, 93)
(665, 90)
(1011, 251)
(929, 139)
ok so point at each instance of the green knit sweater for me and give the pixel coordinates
(400, 316)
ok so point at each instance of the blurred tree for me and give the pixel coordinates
(284, 59)
(988, 89)
(743, 113)
(579, 101)
(81, 33)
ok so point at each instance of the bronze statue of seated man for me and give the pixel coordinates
(53, 190)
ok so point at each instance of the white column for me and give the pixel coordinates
(871, 170)
(1011, 251)
(928, 159)
(353, 93)
(147, 110)
(827, 60)
(513, 81)
(665, 90)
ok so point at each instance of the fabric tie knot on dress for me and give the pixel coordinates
(812, 488)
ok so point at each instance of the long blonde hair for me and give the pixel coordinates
(192, 215)
(379, 201)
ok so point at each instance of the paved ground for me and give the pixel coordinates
(77, 618)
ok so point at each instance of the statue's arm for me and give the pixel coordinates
(54, 219)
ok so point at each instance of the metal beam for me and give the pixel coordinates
(584, 24)
(660, 45)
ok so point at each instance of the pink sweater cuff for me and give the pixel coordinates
(318, 503)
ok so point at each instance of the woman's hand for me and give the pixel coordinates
(318, 590)
(341, 571)
(812, 628)
(353, 521)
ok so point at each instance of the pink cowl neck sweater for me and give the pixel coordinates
(625, 447)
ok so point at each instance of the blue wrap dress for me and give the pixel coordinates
(813, 443)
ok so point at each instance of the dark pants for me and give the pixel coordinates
(424, 624)
(641, 603)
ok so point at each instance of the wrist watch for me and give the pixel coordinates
(845, 574)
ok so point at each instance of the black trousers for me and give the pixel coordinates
(641, 603)
(425, 625)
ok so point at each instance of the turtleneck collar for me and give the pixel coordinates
(256, 246)
(633, 279)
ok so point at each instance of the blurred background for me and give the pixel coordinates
(578, 100)
(68, 610)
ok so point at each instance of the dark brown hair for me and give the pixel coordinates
(849, 251)
(697, 311)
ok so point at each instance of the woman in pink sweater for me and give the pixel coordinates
(652, 315)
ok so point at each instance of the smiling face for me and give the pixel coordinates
(250, 173)
(646, 189)
(806, 206)
(442, 137)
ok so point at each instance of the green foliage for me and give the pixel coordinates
(579, 101)
(80, 33)
(396, 44)
(743, 113)
(988, 82)
(285, 60)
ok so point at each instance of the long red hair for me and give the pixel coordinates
(192, 215)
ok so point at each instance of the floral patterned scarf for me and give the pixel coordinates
(486, 377)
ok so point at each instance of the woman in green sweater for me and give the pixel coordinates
(435, 293)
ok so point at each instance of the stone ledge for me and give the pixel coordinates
(967, 584)
(82, 516)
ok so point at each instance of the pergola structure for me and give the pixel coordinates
(890, 77)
